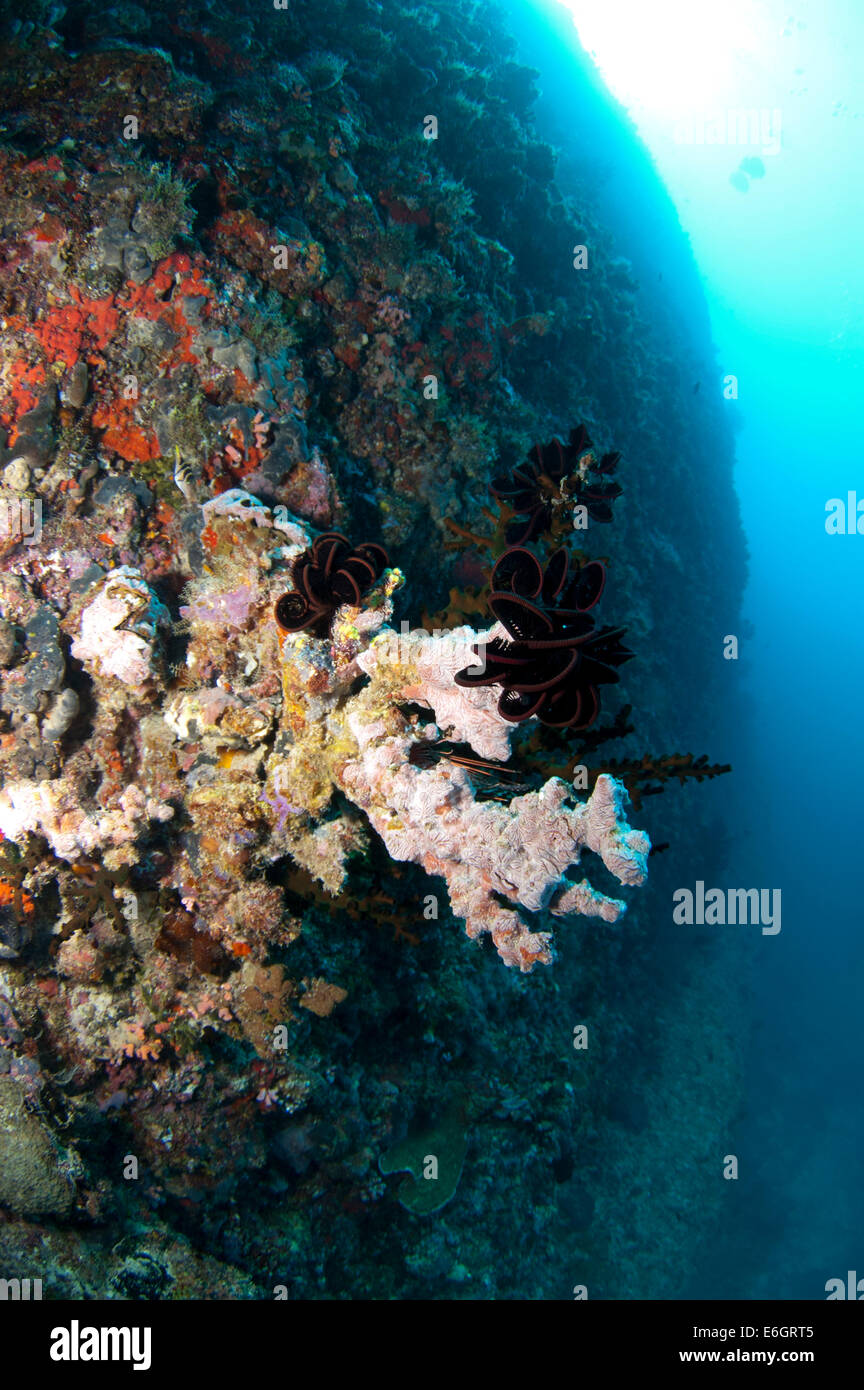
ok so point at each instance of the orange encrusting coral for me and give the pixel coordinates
(128, 439)
(13, 896)
(85, 328)
(22, 379)
(150, 300)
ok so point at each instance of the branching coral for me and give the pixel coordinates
(485, 851)
(648, 775)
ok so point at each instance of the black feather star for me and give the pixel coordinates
(551, 474)
(331, 572)
(553, 658)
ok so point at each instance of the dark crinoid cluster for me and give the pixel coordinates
(554, 474)
(331, 572)
(553, 658)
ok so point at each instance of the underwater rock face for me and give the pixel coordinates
(32, 1177)
(232, 909)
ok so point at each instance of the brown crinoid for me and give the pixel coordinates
(331, 572)
(553, 659)
(550, 474)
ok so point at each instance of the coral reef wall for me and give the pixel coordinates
(265, 272)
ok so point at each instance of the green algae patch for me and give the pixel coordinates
(434, 1162)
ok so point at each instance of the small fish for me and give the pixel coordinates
(492, 781)
(184, 475)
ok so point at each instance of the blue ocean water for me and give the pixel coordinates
(774, 222)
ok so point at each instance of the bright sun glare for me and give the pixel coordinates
(667, 58)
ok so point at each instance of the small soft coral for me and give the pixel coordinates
(552, 659)
(331, 572)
